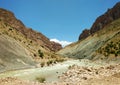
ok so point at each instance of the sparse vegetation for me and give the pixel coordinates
(110, 48)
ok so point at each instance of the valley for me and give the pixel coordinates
(28, 57)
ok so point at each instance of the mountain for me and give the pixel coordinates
(101, 41)
(22, 47)
(103, 20)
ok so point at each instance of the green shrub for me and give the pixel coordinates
(31, 41)
(49, 62)
(40, 79)
(69, 67)
(116, 54)
(42, 64)
(60, 60)
(10, 29)
(40, 53)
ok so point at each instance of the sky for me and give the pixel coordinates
(60, 20)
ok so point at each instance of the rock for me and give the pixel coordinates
(84, 34)
(85, 78)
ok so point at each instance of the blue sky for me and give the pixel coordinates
(58, 19)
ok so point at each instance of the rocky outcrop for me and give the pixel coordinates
(84, 34)
(108, 17)
(103, 20)
(9, 19)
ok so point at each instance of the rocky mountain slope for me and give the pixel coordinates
(98, 45)
(9, 19)
(21, 47)
(103, 20)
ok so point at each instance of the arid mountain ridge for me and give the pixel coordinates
(103, 20)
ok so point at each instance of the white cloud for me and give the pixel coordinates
(63, 43)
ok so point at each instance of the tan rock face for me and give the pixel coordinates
(9, 18)
(103, 20)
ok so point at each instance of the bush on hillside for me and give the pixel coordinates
(40, 53)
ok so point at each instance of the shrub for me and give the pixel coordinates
(42, 64)
(35, 55)
(31, 41)
(60, 60)
(116, 54)
(49, 62)
(40, 79)
(40, 53)
(69, 67)
(10, 29)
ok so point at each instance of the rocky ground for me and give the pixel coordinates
(77, 75)
(16, 81)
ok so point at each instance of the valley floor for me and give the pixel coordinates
(71, 72)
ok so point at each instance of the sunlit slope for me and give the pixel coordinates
(13, 55)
